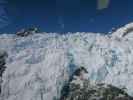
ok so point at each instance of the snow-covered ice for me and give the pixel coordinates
(39, 65)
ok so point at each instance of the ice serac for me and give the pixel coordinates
(39, 65)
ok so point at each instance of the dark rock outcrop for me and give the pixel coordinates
(3, 56)
(27, 32)
(97, 92)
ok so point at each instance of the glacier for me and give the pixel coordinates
(40, 64)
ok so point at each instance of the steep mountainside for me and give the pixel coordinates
(38, 65)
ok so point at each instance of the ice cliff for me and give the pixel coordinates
(38, 65)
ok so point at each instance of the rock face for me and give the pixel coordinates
(80, 88)
(3, 56)
(97, 92)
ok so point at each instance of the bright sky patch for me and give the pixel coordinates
(102, 4)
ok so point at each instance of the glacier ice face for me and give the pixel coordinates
(39, 65)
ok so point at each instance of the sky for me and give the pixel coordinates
(64, 16)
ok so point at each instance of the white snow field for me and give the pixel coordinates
(39, 65)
